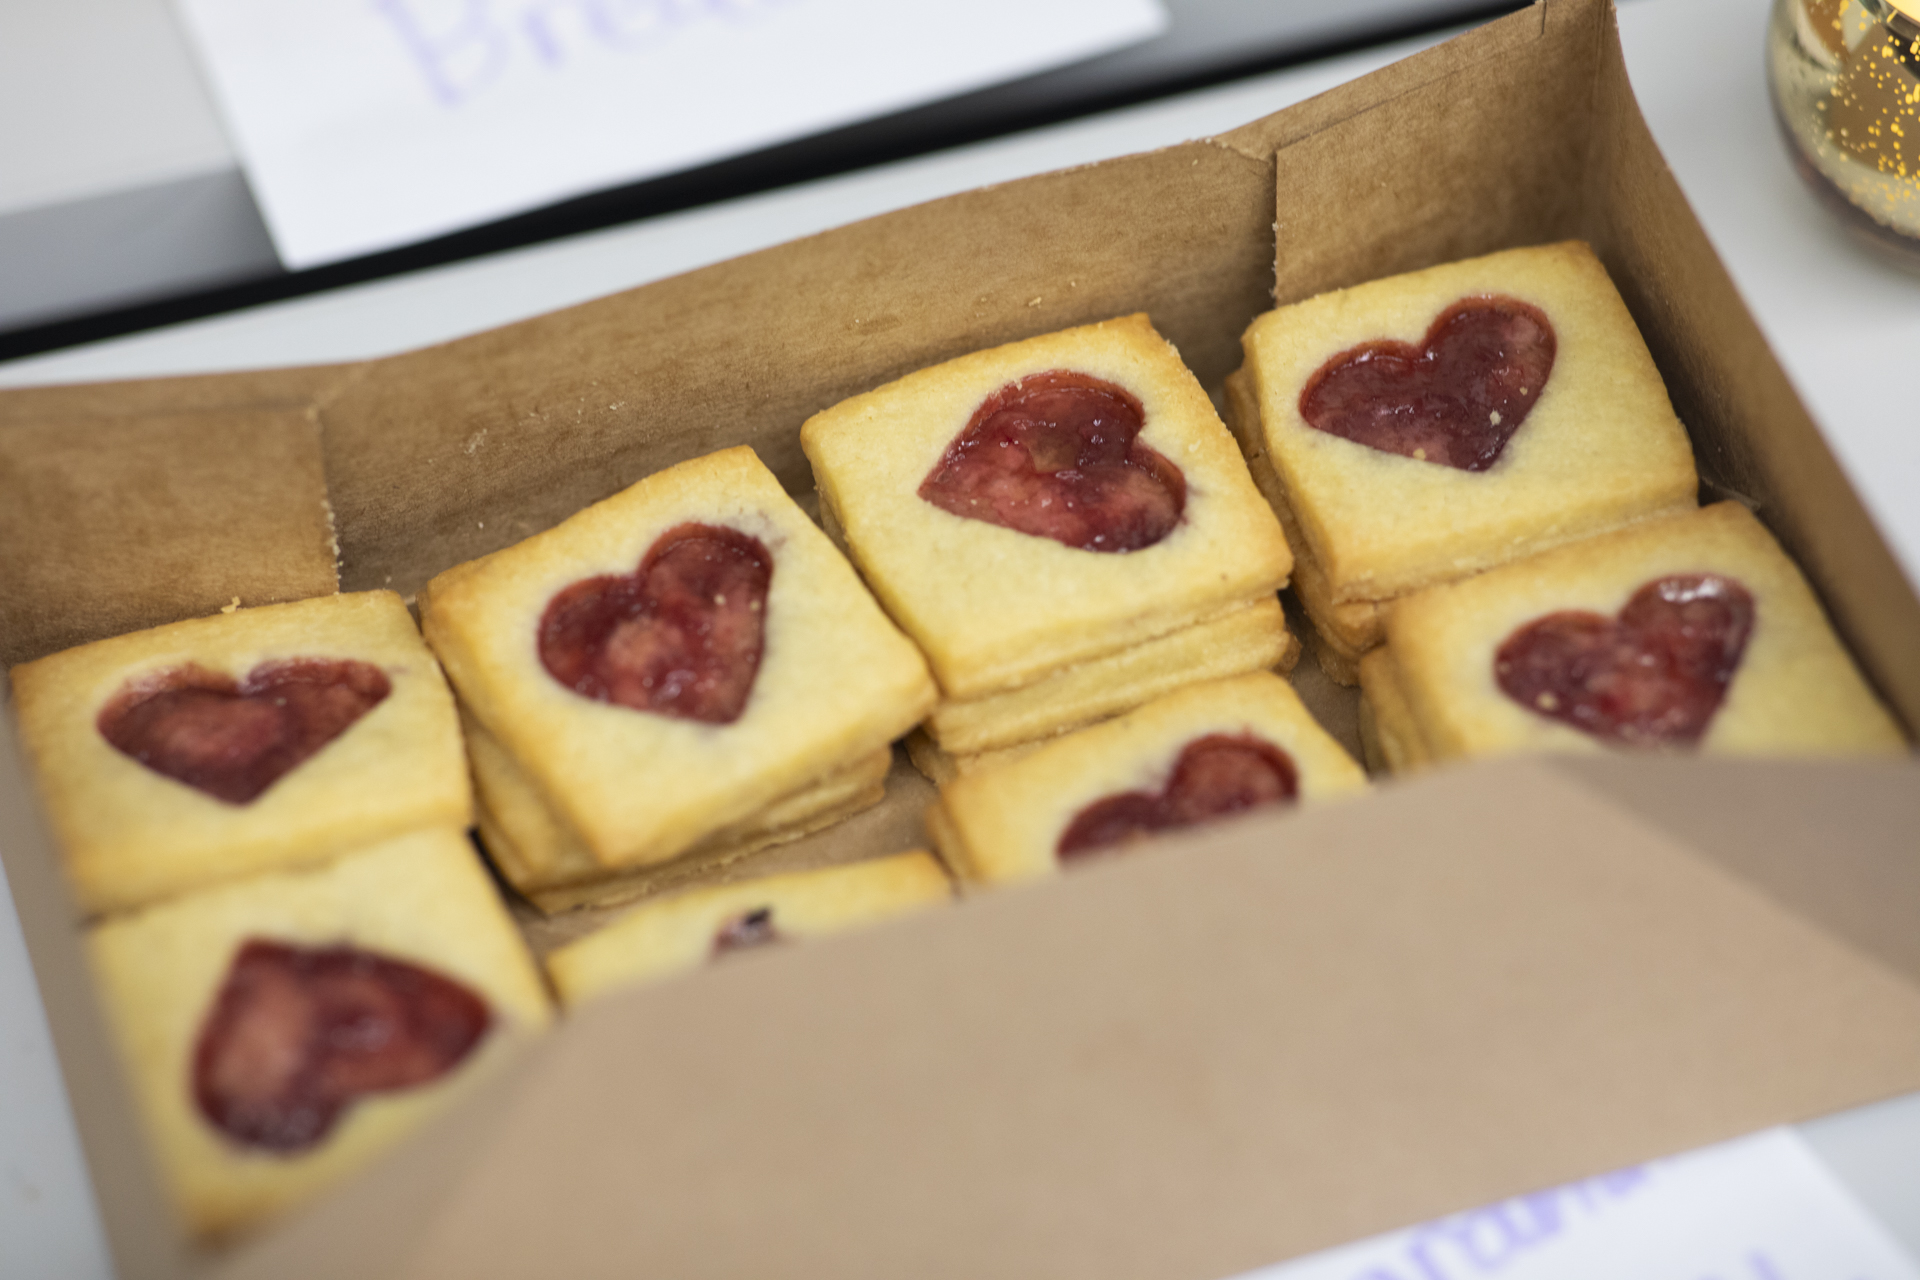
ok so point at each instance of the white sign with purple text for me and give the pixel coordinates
(368, 124)
(1761, 1208)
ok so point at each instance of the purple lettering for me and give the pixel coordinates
(541, 26)
(1492, 1237)
(1622, 1181)
(745, 10)
(1544, 1208)
(1418, 1253)
(632, 24)
(457, 59)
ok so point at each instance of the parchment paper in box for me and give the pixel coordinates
(1292, 1033)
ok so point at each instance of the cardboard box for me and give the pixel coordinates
(1249, 1044)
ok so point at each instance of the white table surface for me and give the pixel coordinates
(1844, 326)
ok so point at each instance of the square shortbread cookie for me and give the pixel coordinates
(689, 929)
(994, 606)
(1579, 649)
(206, 710)
(835, 682)
(422, 901)
(1012, 821)
(1597, 444)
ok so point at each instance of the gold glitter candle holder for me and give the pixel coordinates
(1846, 88)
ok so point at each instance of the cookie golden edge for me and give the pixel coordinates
(1001, 824)
(534, 854)
(676, 933)
(422, 897)
(871, 453)
(1251, 638)
(807, 714)
(130, 835)
(1795, 691)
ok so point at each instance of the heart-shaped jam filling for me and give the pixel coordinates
(1654, 676)
(1055, 455)
(745, 932)
(1455, 400)
(234, 739)
(680, 636)
(1218, 774)
(296, 1034)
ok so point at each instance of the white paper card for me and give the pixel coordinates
(367, 124)
(1762, 1208)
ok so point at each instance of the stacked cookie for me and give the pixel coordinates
(1205, 752)
(668, 680)
(1063, 526)
(252, 741)
(1691, 632)
(299, 952)
(684, 930)
(1418, 429)
(1479, 469)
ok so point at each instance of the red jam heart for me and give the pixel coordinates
(1055, 455)
(1653, 677)
(681, 636)
(1215, 775)
(296, 1034)
(745, 932)
(1455, 400)
(233, 740)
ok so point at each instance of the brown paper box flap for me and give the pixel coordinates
(111, 524)
(1833, 841)
(1190, 1062)
(140, 1224)
(296, 388)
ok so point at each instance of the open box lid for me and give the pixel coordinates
(1229, 1051)
(1281, 1036)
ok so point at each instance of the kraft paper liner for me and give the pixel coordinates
(113, 524)
(299, 388)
